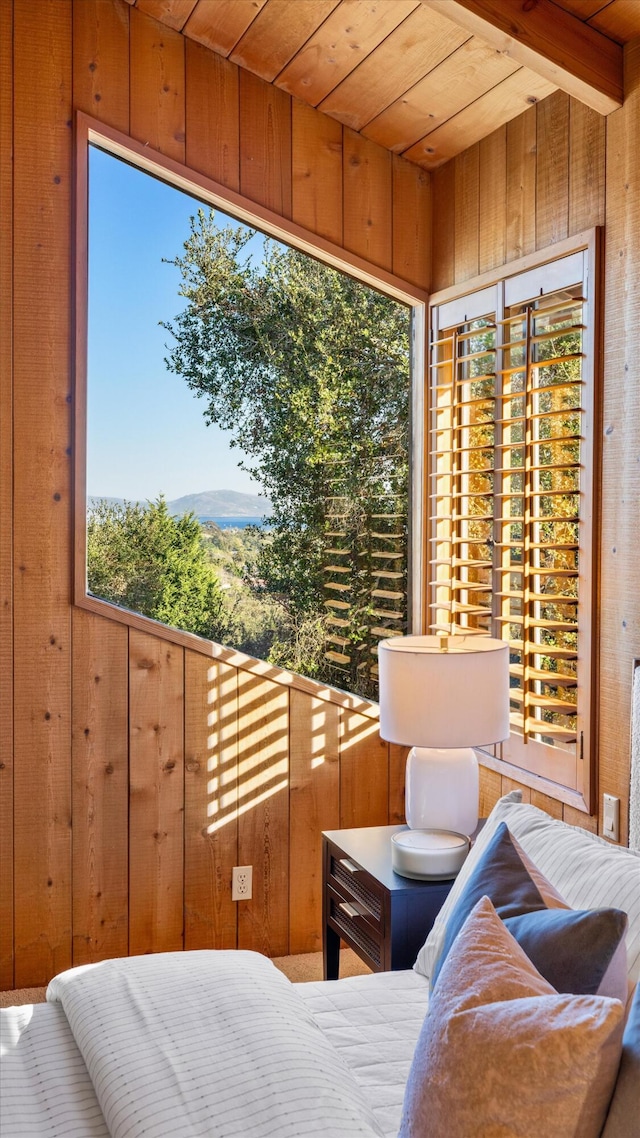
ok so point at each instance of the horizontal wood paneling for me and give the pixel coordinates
(174, 726)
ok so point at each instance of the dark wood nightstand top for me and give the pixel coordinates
(370, 847)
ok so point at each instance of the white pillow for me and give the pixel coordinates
(588, 872)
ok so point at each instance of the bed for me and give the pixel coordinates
(221, 1043)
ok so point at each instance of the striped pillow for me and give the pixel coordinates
(587, 871)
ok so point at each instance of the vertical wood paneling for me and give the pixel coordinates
(156, 815)
(397, 772)
(210, 801)
(490, 791)
(443, 215)
(552, 170)
(212, 116)
(100, 762)
(265, 144)
(467, 205)
(6, 496)
(157, 85)
(364, 772)
(42, 240)
(544, 802)
(317, 172)
(509, 784)
(411, 222)
(263, 812)
(521, 186)
(493, 200)
(100, 51)
(547, 192)
(586, 167)
(620, 494)
(315, 806)
(368, 228)
(577, 818)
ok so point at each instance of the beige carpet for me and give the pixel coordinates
(299, 969)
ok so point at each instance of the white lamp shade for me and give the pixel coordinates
(432, 696)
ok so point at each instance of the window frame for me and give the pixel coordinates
(484, 293)
(90, 131)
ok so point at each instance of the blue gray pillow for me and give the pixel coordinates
(578, 952)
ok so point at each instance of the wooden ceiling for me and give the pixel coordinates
(423, 78)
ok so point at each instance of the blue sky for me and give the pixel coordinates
(146, 430)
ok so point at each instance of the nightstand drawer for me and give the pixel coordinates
(384, 917)
(350, 919)
(353, 884)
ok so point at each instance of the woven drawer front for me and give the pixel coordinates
(354, 931)
(353, 884)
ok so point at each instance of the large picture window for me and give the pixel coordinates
(511, 499)
(232, 369)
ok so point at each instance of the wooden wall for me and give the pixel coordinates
(556, 170)
(134, 773)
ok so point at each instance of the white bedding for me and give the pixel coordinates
(45, 1089)
(373, 1022)
(177, 1045)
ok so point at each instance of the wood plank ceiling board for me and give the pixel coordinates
(567, 52)
(617, 19)
(460, 79)
(220, 25)
(510, 98)
(419, 44)
(274, 37)
(620, 20)
(347, 37)
(583, 9)
(173, 13)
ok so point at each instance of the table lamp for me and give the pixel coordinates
(442, 696)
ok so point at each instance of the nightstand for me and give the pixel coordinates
(383, 917)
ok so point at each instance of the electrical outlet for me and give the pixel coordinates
(241, 882)
(611, 813)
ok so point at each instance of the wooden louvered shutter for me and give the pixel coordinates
(366, 556)
(511, 473)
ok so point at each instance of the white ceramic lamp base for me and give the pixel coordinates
(442, 789)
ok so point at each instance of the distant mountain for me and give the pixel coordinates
(209, 504)
(221, 504)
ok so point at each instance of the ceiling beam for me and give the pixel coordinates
(548, 40)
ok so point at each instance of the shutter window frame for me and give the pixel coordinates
(510, 510)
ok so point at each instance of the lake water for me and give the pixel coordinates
(229, 523)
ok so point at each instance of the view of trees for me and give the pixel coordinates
(309, 371)
(143, 559)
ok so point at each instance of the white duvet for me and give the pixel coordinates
(173, 1046)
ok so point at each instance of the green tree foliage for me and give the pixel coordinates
(142, 558)
(309, 371)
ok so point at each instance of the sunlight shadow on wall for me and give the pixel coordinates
(248, 744)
